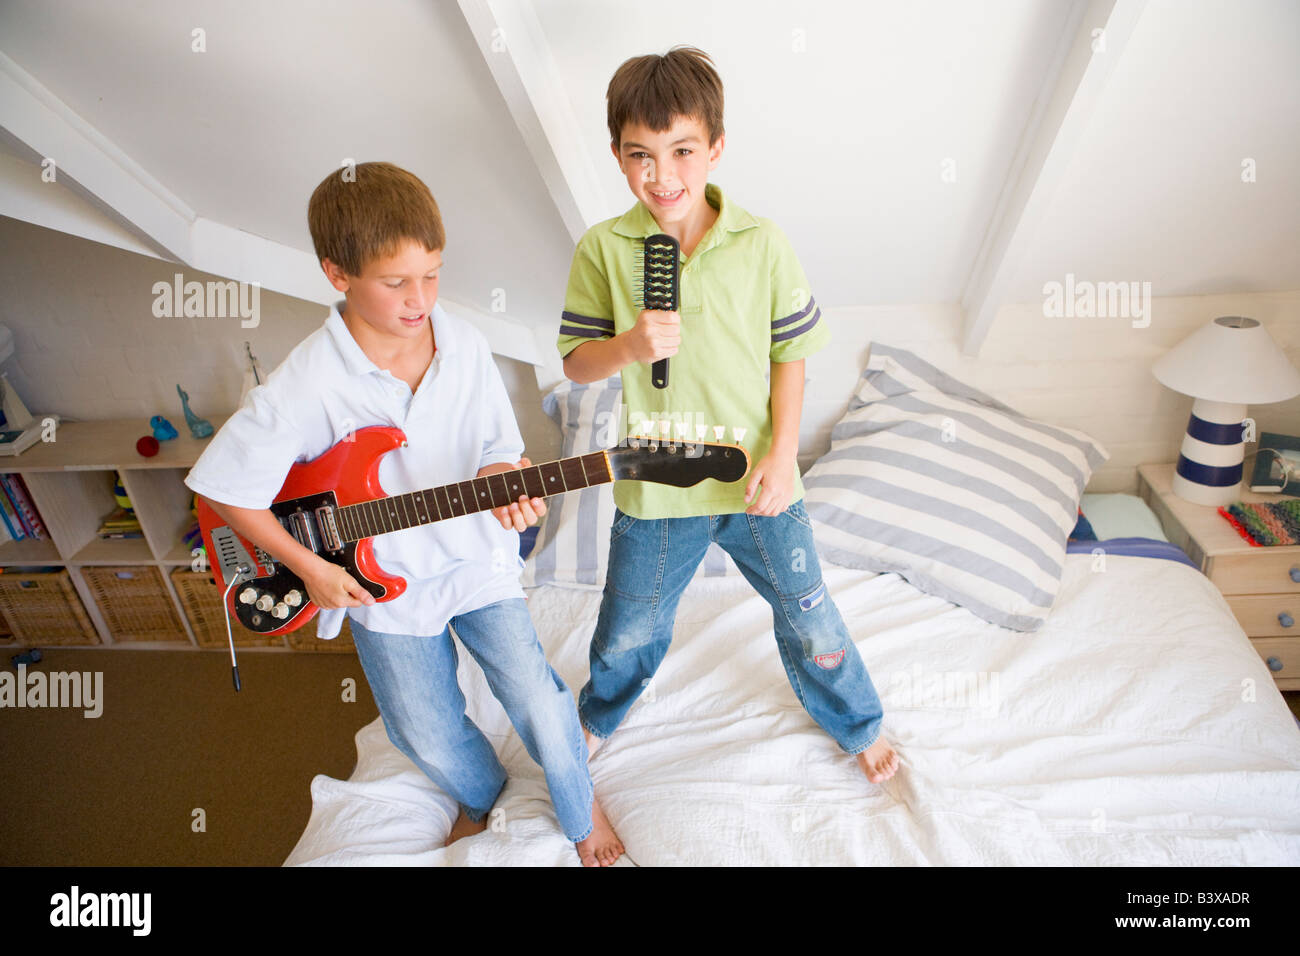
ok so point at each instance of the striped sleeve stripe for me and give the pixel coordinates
(606, 325)
(800, 330)
(583, 332)
(796, 316)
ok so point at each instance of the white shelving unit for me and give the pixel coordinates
(71, 483)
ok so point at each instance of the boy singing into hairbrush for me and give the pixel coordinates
(750, 315)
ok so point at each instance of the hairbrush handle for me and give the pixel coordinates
(660, 287)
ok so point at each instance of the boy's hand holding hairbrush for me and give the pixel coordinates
(656, 335)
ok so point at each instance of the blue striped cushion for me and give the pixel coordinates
(573, 541)
(956, 492)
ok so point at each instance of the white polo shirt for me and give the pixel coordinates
(458, 421)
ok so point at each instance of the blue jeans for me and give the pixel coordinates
(650, 563)
(414, 683)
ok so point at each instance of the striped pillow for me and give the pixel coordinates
(954, 491)
(573, 541)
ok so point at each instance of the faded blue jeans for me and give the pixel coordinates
(650, 563)
(413, 680)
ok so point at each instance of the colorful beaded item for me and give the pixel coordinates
(1266, 524)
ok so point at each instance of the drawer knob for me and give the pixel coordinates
(1274, 664)
(1285, 619)
(1295, 575)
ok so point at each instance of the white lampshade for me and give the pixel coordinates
(1233, 359)
(1225, 366)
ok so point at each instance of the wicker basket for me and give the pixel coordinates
(201, 599)
(43, 609)
(305, 639)
(135, 603)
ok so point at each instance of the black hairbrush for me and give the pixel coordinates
(657, 286)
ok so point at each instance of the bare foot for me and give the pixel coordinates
(593, 742)
(464, 827)
(879, 761)
(603, 847)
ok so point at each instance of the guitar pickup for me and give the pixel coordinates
(304, 530)
(328, 529)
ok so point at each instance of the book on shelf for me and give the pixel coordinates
(10, 518)
(15, 490)
(120, 523)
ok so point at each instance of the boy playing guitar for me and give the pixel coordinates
(388, 355)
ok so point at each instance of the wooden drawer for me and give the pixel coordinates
(1286, 651)
(1260, 615)
(1257, 572)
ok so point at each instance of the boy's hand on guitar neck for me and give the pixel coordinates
(520, 514)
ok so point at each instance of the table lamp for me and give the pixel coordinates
(1225, 366)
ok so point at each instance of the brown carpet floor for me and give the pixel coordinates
(122, 789)
(174, 737)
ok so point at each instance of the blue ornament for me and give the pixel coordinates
(199, 427)
(163, 430)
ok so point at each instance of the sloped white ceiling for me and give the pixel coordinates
(286, 91)
(1155, 192)
(841, 120)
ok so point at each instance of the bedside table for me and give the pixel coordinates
(1261, 585)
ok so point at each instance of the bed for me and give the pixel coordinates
(1120, 733)
(1129, 721)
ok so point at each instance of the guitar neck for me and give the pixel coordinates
(367, 519)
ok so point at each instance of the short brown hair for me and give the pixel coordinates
(362, 213)
(655, 89)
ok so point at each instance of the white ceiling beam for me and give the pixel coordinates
(513, 45)
(100, 193)
(1055, 126)
(80, 154)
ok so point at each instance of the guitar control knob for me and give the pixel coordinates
(280, 611)
(248, 595)
(293, 598)
(265, 602)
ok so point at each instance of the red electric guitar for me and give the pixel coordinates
(334, 505)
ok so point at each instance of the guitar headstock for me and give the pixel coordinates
(677, 463)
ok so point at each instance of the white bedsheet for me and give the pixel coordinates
(1137, 727)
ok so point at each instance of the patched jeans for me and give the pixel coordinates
(650, 563)
(414, 683)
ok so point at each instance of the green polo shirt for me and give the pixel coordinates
(744, 303)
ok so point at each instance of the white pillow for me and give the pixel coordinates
(954, 491)
(572, 546)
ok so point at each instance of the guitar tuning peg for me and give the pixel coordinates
(700, 432)
(738, 433)
(718, 431)
(666, 428)
(683, 429)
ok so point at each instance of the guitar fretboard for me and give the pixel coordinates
(399, 512)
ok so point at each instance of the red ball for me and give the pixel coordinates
(147, 446)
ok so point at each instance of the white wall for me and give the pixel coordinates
(88, 347)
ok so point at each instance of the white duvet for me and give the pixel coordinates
(1137, 727)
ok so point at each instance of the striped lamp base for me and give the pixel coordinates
(1209, 466)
